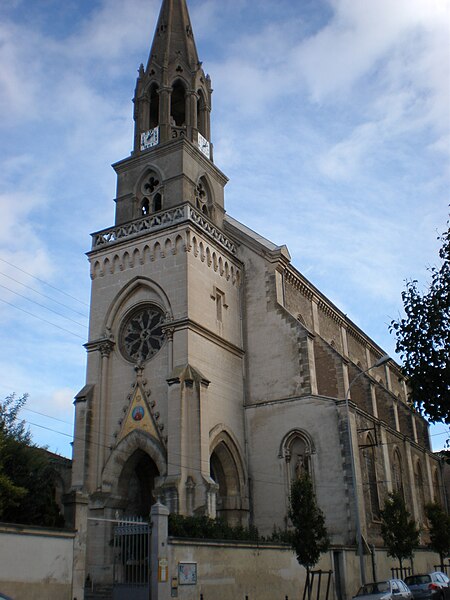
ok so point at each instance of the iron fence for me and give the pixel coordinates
(443, 568)
(400, 573)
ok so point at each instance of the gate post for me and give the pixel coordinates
(79, 503)
(160, 584)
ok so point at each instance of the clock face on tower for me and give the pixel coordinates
(150, 138)
(141, 334)
(204, 146)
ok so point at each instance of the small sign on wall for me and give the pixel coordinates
(187, 573)
(163, 570)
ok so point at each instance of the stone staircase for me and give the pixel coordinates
(103, 592)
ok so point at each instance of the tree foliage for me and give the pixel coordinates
(439, 522)
(26, 474)
(398, 529)
(423, 339)
(202, 527)
(309, 537)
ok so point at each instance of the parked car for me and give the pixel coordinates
(430, 586)
(391, 589)
(3, 597)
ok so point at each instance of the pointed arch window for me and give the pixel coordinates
(420, 491)
(151, 194)
(178, 105)
(369, 455)
(397, 480)
(203, 197)
(436, 487)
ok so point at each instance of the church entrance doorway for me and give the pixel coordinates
(137, 483)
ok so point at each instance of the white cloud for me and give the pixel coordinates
(113, 32)
(17, 87)
(360, 35)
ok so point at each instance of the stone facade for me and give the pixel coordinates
(216, 371)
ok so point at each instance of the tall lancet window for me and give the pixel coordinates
(178, 105)
(201, 113)
(397, 479)
(369, 454)
(420, 492)
(154, 106)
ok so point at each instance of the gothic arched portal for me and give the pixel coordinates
(137, 483)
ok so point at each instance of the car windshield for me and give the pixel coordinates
(374, 588)
(417, 579)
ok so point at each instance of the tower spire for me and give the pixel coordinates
(173, 94)
(174, 39)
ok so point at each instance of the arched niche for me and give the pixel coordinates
(297, 448)
(227, 471)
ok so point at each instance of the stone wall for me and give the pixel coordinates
(36, 563)
(231, 571)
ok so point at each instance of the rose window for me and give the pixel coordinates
(142, 335)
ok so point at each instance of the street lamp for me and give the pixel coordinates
(381, 361)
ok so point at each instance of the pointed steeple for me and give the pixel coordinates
(172, 160)
(174, 39)
(173, 94)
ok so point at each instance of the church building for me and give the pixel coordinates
(216, 371)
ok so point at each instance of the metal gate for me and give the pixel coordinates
(132, 560)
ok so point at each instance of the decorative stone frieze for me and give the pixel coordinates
(161, 248)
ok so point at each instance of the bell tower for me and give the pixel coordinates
(173, 94)
(172, 109)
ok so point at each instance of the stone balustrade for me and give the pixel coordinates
(158, 221)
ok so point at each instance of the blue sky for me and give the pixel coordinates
(330, 117)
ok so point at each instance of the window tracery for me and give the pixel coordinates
(151, 195)
(141, 333)
(203, 197)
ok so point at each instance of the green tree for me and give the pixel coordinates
(26, 474)
(439, 522)
(398, 529)
(423, 339)
(309, 537)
